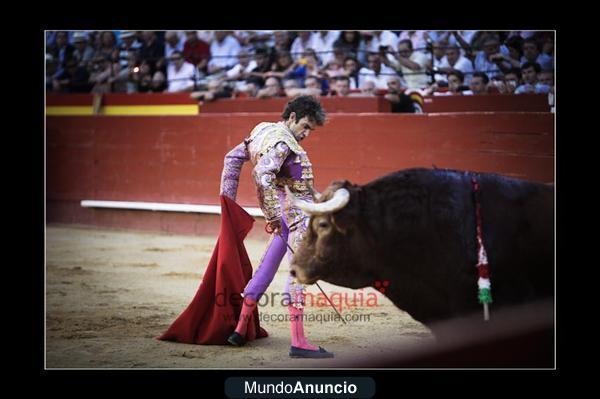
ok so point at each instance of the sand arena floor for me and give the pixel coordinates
(110, 293)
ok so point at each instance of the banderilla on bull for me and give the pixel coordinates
(323, 292)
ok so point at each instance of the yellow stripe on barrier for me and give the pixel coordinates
(117, 110)
(69, 110)
(183, 109)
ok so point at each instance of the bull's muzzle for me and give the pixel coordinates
(302, 277)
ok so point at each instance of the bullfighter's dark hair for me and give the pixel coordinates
(305, 106)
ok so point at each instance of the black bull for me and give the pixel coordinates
(416, 229)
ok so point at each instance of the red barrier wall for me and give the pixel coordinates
(488, 103)
(179, 158)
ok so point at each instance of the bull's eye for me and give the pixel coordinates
(320, 224)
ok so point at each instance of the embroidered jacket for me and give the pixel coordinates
(278, 161)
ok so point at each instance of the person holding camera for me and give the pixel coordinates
(104, 70)
(412, 64)
(494, 59)
(376, 72)
(454, 61)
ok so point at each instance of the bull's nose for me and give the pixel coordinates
(293, 273)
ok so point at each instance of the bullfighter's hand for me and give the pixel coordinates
(274, 226)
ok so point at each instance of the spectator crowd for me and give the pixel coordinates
(264, 64)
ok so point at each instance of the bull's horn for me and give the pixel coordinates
(338, 201)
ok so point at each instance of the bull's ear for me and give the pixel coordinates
(340, 222)
(341, 184)
(345, 218)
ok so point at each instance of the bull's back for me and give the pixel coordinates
(429, 217)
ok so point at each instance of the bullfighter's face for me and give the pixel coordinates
(302, 127)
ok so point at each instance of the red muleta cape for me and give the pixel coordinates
(213, 313)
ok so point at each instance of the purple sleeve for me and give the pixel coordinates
(264, 174)
(232, 168)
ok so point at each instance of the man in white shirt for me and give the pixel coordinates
(323, 44)
(413, 65)
(181, 75)
(383, 38)
(376, 73)
(241, 70)
(453, 60)
(304, 41)
(224, 50)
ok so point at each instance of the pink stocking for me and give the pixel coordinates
(297, 329)
(245, 316)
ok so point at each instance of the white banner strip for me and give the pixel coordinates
(162, 206)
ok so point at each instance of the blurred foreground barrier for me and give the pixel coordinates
(519, 337)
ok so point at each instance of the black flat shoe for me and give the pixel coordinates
(236, 339)
(306, 353)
